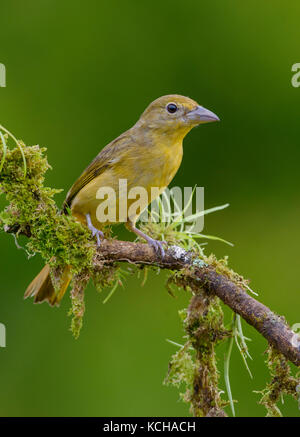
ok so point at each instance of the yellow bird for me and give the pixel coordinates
(147, 155)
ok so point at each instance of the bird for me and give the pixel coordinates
(147, 155)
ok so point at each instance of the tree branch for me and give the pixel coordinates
(270, 325)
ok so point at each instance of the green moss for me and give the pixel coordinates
(181, 371)
(77, 312)
(58, 238)
(282, 383)
(194, 365)
(221, 267)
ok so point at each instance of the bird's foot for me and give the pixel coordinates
(99, 235)
(157, 246)
(94, 230)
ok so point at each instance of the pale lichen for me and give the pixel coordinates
(179, 254)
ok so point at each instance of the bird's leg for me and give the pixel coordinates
(155, 244)
(94, 230)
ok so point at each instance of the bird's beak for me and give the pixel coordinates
(201, 115)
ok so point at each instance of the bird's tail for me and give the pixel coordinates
(42, 289)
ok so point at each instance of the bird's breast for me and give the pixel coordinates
(151, 168)
(162, 163)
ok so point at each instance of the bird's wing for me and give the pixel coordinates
(103, 160)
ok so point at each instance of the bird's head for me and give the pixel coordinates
(175, 115)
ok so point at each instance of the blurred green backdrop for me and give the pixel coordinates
(78, 74)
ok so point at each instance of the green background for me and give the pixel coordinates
(78, 74)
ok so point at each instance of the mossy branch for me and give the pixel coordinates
(200, 276)
(60, 240)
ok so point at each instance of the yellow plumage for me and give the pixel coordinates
(147, 155)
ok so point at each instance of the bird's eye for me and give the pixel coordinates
(171, 108)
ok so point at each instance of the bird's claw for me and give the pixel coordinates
(94, 230)
(98, 235)
(157, 246)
